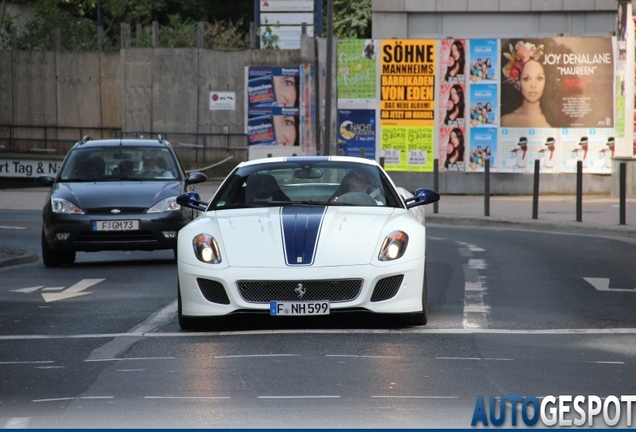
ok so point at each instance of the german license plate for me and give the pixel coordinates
(299, 308)
(115, 225)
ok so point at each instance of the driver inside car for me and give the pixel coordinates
(359, 181)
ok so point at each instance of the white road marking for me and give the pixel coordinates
(11, 227)
(17, 423)
(28, 290)
(602, 284)
(606, 362)
(416, 397)
(72, 398)
(300, 397)
(255, 355)
(473, 358)
(74, 291)
(129, 358)
(359, 356)
(475, 310)
(27, 362)
(187, 397)
(456, 331)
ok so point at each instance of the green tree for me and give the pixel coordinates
(351, 19)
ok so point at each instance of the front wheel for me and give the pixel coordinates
(186, 323)
(421, 318)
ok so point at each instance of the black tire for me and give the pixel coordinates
(185, 322)
(421, 318)
(55, 258)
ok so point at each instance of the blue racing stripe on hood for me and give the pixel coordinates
(301, 229)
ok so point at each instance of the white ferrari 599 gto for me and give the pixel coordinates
(297, 236)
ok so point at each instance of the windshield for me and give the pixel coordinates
(119, 163)
(306, 182)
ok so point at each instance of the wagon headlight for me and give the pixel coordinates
(206, 249)
(393, 246)
(60, 205)
(165, 205)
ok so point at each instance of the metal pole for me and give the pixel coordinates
(487, 187)
(622, 185)
(535, 190)
(436, 183)
(326, 146)
(579, 191)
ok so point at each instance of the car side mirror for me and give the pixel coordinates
(44, 181)
(422, 196)
(196, 177)
(192, 200)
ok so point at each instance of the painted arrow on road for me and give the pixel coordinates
(602, 284)
(74, 291)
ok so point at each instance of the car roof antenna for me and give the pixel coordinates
(85, 139)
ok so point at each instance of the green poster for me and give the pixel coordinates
(356, 69)
(407, 148)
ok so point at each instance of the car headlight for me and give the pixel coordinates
(206, 249)
(165, 205)
(393, 246)
(60, 205)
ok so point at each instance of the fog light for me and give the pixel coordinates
(169, 234)
(62, 236)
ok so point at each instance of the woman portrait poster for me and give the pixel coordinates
(452, 149)
(557, 82)
(452, 104)
(453, 63)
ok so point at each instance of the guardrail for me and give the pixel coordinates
(192, 148)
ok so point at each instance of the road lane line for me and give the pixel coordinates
(17, 423)
(300, 397)
(475, 309)
(188, 397)
(255, 355)
(406, 331)
(415, 397)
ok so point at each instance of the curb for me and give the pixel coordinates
(27, 257)
(620, 231)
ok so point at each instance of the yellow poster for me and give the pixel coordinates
(407, 103)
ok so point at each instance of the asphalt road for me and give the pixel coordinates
(511, 312)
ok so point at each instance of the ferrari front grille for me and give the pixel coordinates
(335, 291)
(387, 288)
(213, 291)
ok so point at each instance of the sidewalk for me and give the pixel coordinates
(600, 215)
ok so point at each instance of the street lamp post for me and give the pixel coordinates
(327, 144)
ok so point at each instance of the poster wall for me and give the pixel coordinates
(357, 69)
(273, 99)
(483, 94)
(407, 104)
(553, 88)
(357, 132)
(452, 107)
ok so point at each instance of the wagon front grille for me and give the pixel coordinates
(116, 237)
(387, 288)
(122, 210)
(334, 291)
